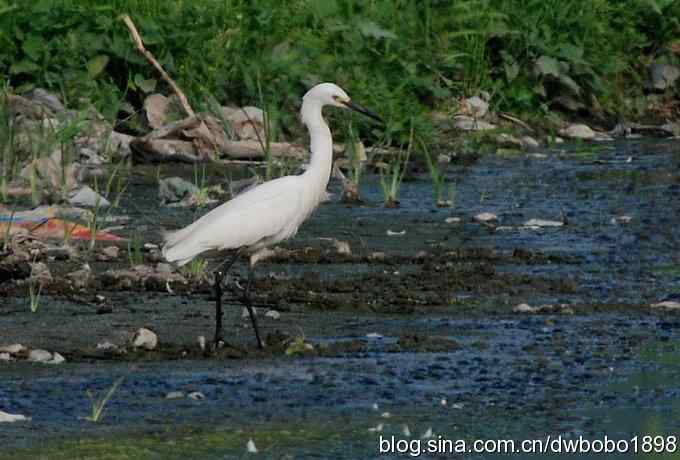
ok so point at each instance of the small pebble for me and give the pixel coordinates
(174, 395)
(111, 251)
(343, 248)
(667, 304)
(13, 349)
(273, 314)
(106, 346)
(10, 418)
(145, 338)
(427, 434)
(196, 395)
(524, 308)
(543, 223)
(484, 217)
(250, 447)
(376, 429)
(39, 356)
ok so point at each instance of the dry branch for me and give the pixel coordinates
(147, 54)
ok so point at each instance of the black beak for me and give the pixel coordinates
(360, 109)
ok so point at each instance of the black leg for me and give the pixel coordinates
(247, 301)
(219, 274)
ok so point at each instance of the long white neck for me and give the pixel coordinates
(319, 169)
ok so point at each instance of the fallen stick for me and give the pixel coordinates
(147, 54)
(515, 120)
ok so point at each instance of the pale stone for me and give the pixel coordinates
(10, 418)
(485, 217)
(39, 356)
(145, 338)
(578, 131)
(543, 223)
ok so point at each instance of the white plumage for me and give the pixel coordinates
(271, 212)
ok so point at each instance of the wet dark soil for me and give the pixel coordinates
(421, 323)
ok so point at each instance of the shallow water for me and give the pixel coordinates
(610, 369)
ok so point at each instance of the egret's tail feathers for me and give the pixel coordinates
(178, 248)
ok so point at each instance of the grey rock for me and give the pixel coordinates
(246, 122)
(667, 305)
(40, 273)
(662, 76)
(6, 417)
(80, 278)
(578, 131)
(525, 308)
(119, 144)
(156, 110)
(111, 251)
(466, 123)
(12, 349)
(175, 189)
(40, 356)
(85, 196)
(485, 217)
(174, 395)
(529, 142)
(89, 156)
(273, 314)
(107, 346)
(508, 140)
(543, 223)
(47, 99)
(342, 247)
(162, 267)
(145, 338)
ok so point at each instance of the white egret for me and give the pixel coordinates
(269, 213)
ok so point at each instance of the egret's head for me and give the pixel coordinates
(332, 94)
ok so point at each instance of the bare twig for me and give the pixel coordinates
(147, 54)
(515, 120)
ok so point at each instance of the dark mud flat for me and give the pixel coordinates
(420, 324)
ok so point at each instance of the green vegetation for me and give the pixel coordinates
(99, 405)
(393, 174)
(404, 57)
(135, 254)
(544, 60)
(34, 292)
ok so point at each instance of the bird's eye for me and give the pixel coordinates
(335, 97)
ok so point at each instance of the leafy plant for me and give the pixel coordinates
(438, 176)
(390, 181)
(34, 292)
(135, 255)
(99, 405)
